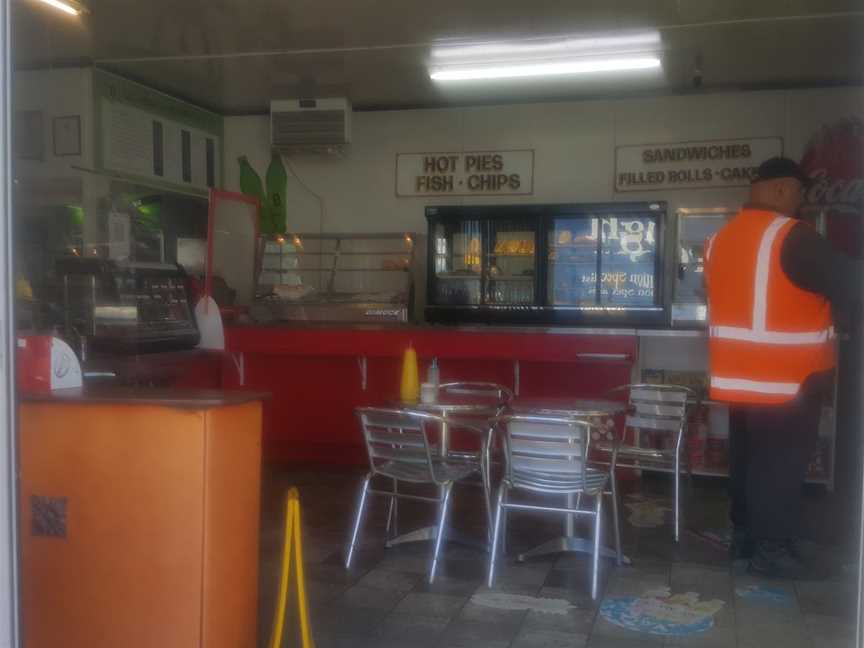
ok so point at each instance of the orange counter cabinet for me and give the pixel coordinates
(139, 520)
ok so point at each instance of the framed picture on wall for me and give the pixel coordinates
(29, 140)
(67, 135)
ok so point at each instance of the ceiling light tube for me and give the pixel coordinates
(609, 45)
(548, 68)
(66, 6)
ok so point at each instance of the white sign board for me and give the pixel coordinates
(466, 173)
(692, 165)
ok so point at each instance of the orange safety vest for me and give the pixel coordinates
(766, 335)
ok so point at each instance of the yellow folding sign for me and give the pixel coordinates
(292, 539)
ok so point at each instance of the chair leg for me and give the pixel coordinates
(442, 524)
(677, 486)
(358, 519)
(485, 468)
(595, 563)
(616, 522)
(503, 534)
(393, 513)
(496, 529)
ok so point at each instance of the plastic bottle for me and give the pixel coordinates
(432, 375)
(277, 183)
(410, 388)
(251, 185)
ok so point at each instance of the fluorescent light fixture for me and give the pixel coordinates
(557, 68)
(71, 8)
(619, 43)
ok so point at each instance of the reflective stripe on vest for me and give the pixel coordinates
(754, 386)
(708, 245)
(758, 331)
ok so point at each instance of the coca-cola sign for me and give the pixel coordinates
(837, 194)
(835, 160)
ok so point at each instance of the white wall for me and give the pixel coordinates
(574, 150)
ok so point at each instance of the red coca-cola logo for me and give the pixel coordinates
(835, 160)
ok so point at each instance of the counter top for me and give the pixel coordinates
(175, 398)
(475, 328)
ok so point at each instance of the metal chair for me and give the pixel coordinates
(549, 455)
(399, 448)
(498, 396)
(655, 408)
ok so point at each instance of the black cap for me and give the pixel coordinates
(780, 167)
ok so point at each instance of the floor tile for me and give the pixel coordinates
(477, 613)
(474, 633)
(829, 631)
(431, 605)
(415, 630)
(600, 641)
(360, 596)
(716, 637)
(549, 639)
(390, 580)
(574, 621)
(827, 599)
(602, 628)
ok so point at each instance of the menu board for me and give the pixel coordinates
(603, 261)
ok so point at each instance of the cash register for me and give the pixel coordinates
(126, 307)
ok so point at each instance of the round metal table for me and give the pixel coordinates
(573, 408)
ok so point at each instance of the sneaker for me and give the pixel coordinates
(742, 546)
(774, 559)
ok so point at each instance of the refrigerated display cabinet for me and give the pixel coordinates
(349, 278)
(598, 263)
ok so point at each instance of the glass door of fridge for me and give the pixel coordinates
(694, 228)
(573, 262)
(510, 267)
(457, 249)
(604, 261)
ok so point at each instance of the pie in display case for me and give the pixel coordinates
(352, 278)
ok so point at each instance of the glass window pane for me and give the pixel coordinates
(458, 251)
(510, 278)
(628, 250)
(572, 277)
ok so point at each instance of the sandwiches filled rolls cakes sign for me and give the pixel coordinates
(692, 165)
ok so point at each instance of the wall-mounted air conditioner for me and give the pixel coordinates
(319, 125)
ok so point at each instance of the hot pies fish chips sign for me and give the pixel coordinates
(466, 173)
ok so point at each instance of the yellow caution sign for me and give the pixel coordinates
(293, 538)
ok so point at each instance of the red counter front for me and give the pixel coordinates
(317, 376)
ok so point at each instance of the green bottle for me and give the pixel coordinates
(250, 185)
(277, 183)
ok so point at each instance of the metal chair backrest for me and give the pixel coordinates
(543, 452)
(492, 391)
(661, 408)
(397, 442)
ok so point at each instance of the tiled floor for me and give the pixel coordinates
(384, 599)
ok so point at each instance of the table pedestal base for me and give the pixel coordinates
(569, 544)
(426, 534)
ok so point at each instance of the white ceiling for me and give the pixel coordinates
(235, 55)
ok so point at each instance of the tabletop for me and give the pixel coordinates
(568, 407)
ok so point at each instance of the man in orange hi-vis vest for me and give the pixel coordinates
(771, 280)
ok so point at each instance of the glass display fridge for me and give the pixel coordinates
(578, 264)
(694, 226)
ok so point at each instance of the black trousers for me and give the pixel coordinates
(769, 449)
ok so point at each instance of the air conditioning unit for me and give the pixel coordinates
(315, 125)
